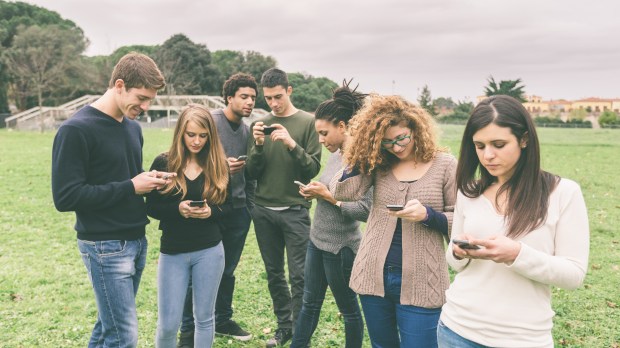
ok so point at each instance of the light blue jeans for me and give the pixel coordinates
(205, 268)
(450, 339)
(114, 269)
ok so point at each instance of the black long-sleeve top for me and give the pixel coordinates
(94, 158)
(181, 235)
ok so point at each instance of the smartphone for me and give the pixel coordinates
(301, 184)
(268, 130)
(463, 244)
(242, 158)
(197, 203)
(394, 207)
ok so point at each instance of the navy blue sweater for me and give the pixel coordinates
(94, 158)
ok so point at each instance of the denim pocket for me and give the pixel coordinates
(83, 247)
(110, 247)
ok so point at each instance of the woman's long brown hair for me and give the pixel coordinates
(529, 188)
(211, 158)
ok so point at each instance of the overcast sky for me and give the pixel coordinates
(560, 49)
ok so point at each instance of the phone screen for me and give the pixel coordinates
(197, 203)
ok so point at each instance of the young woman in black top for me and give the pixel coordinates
(191, 238)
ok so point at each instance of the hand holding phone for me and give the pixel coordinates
(242, 158)
(464, 244)
(394, 207)
(197, 203)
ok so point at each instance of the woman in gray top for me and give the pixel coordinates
(335, 234)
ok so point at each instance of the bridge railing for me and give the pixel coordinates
(49, 118)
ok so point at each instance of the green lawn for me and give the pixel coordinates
(45, 296)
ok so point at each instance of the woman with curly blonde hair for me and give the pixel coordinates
(400, 271)
(188, 210)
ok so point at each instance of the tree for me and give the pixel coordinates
(12, 16)
(186, 66)
(226, 63)
(446, 103)
(608, 117)
(426, 101)
(42, 59)
(309, 91)
(505, 87)
(460, 114)
(577, 114)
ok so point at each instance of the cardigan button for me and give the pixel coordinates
(402, 187)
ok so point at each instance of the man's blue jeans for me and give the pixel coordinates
(235, 226)
(391, 324)
(205, 268)
(114, 269)
(322, 269)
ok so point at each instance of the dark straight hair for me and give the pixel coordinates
(274, 77)
(529, 187)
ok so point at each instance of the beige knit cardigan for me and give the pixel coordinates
(425, 271)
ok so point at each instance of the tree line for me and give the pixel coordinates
(42, 63)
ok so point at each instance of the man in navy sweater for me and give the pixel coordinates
(97, 173)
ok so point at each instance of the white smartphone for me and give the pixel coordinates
(299, 183)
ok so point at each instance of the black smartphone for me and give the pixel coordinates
(197, 203)
(268, 130)
(242, 158)
(463, 244)
(394, 207)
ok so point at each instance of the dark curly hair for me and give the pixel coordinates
(236, 81)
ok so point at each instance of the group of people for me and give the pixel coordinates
(509, 229)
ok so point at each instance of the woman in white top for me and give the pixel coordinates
(527, 230)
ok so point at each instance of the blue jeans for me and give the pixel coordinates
(205, 267)
(322, 269)
(391, 324)
(450, 339)
(235, 227)
(114, 269)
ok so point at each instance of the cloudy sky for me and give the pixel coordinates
(560, 49)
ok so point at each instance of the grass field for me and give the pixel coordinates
(45, 295)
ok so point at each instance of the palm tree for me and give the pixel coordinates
(506, 87)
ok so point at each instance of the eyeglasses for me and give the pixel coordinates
(400, 141)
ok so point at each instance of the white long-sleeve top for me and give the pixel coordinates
(501, 305)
